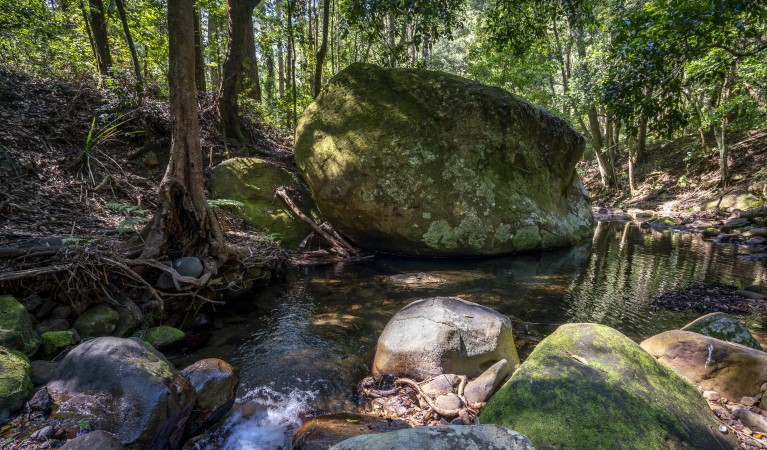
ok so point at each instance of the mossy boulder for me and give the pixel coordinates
(587, 386)
(725, 327)
(56, 341)
(253, 181)
(418, 162)
(15, 384)
(162, 336)
(98, 320)
(16, 331)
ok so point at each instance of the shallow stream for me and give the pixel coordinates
(303, 343)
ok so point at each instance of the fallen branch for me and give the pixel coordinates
(339, 246)
(31, 273)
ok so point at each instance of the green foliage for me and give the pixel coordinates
(225, 202)
(134, 215)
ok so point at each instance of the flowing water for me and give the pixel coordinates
(302, 344)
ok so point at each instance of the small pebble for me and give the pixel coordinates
(723, 428)
(749, 401)
(711, 396)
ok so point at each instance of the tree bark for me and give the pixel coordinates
(323, 47)
(268, 51)
(100, 36)
(251, 62)
(131, 47)
(183, 221)
(292, 63)
(199, 59)
(240, 14)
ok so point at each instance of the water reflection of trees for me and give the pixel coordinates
(628, 266)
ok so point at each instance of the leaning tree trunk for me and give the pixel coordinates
(100, 36)
(183, 222)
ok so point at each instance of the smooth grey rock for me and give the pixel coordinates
(726, 238)
(750, 419)
(448, 401)
(440, 385)
(325, 431)
(749, 401)
(95, 440)
(215, 384)
(443, 335)
(749, 294)
(189, 266)
(737, 223)
(481, 388)
(41, 372)
(451, 437)
(41, 401)
(711, 396)
(52, 325)
(723, 326)
(127, 388)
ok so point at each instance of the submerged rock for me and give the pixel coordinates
(733, 370)
(417, 162)
(16, 330)
(127, 388)
(323, 432)
(587, 386)
(253, 181)
(725, 327)
(443, 335)
(441, 438)
(215, 384)
(15, 384)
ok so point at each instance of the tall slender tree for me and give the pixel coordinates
(98, 22)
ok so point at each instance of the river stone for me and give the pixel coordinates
(15, 384)
(481, 388)
(417, 162)
(52, 325)
(129, 314)
(215, 383)
(98, 320)
(127, 388)
(733, 370)
(95, 440)
(723, 326)
(41, 372)
(440, 385)
(162, 336)
(16, 330)
(443, 335)
(253, 181)
(189, 266)
(56, 341)
(320, 433)
(750, 419)
(449, 437)
(587, 386)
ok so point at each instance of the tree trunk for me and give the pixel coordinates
(215, 79)
(269, 61)
(90, 33)
(240, 14)
(100, 36)
(292, 63)
(183, 221)
(199, 60)
(251, 63)
(131, 47)
(323, 47)
(281, 67)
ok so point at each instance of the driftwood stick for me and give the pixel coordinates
(337, 246)
(29, 273)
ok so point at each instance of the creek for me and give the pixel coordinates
(302, 343)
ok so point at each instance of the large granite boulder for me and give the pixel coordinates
(725, 327)
(322, 432)
(16, 331)
(15, 384)
(125, 387)
(587, 386)
(733, 370)
(253, 181)
(440, 438)
(417, 162)
(442, 335)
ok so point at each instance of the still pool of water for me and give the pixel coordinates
(303, 343)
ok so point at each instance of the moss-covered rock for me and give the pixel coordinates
(588, 386)
(253, 181)
(98, 320)
(15, 384)
(162, 336)
(418, 162)
(725, 327)
(56, 341)
(16, 330)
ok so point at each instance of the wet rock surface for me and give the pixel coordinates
(215, 384)
(320, 433)
(441, 438)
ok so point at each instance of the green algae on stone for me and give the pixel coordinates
(98, 320)
(56, 341)
(162, 336)
(16, 331)
(418, 162)
(253, 181)
(15, 383)
(724, 327)
(587, 386)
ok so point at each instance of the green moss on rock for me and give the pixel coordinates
(163, 336)
(15, 383)
(16, 331)
(56, 341)
(588, 386)
(98, 320)
(725, 327)
(253, 181)
(419, 162)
